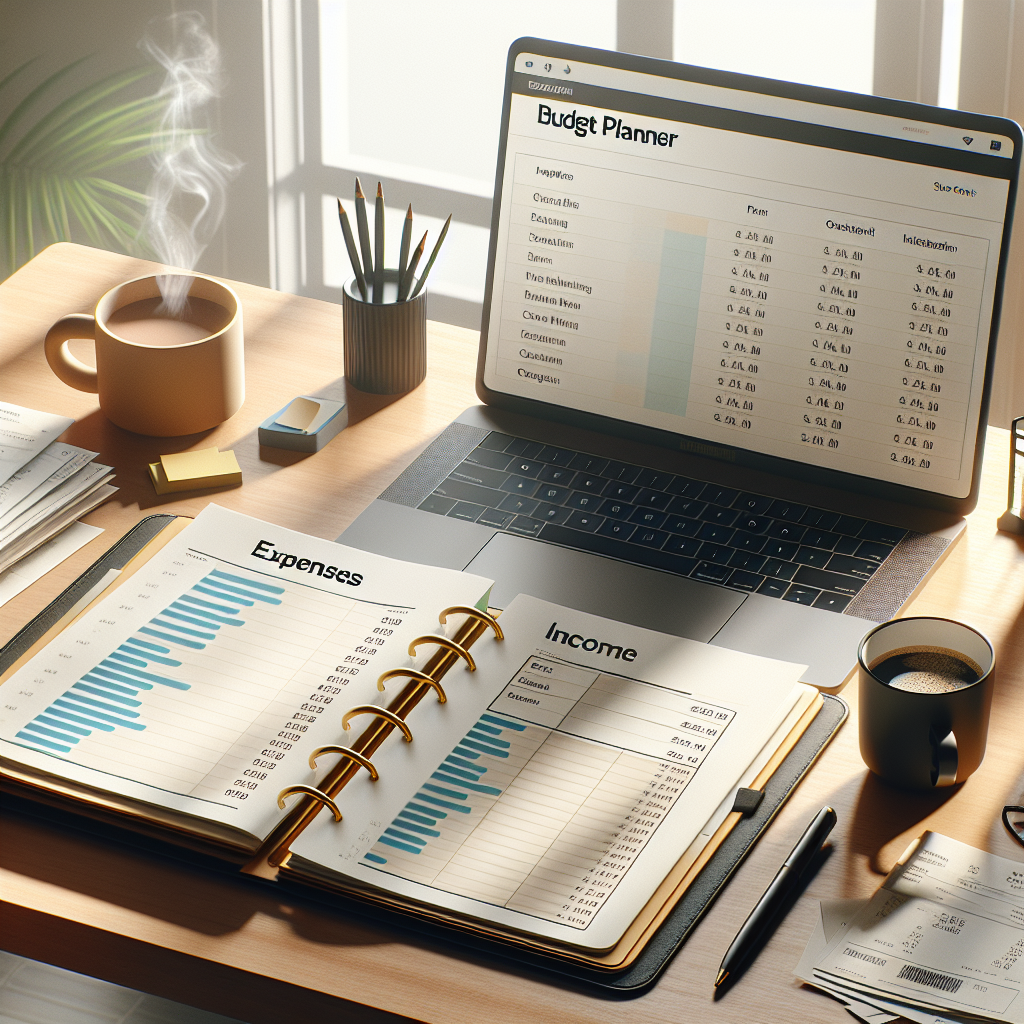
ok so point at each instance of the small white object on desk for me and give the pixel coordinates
(305, 424)
(45, 558)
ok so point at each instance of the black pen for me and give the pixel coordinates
(767, 906)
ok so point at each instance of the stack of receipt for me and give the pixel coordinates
(942, 940)
(45, 485)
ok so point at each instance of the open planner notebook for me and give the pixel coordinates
(549, 778)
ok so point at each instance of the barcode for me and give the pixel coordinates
(930, 978)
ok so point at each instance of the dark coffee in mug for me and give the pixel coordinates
(923, 669)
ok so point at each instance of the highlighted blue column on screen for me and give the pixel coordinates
(104, 697)
(674, 331)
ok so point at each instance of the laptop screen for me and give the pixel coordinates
(748, 265)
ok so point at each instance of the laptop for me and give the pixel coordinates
(735, 357)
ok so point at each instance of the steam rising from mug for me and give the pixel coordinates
(187, 194)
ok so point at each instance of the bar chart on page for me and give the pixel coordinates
(552, 795)
(197, 699)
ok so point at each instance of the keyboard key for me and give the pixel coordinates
(876, 552)
(616, 509)
(715, 553)
(520, 485)
(680, 524)
(747, 560)
(584, 521)
(496, 442)
(882, 534)
(685, 488)
(753, 524)
(527, 449)
(653, 499)
(779, 549)
(556, 475)
(779, 569)
(550, 513)
(492, 517)
(847, 546)
(822, 520)
(482, 475)
(517, 503)
(717, 534)
(748, 541)
(526, 467)
(801, 595)
(647, 517)
(849, 525)
(555, 456)
(859, 567)
(601, 545)
(617, 529)
(525, 526)
(782, 530)
(787, 510)
(588, 464)
(752, 504)
(493, 460)
(624, 492)
(435, 503)
(460, 491)
(820, 539)
(653, 479)
(711, 573)
(621, 471)
(831, 602)
(825, 580)
(689, 507)
(466, 510)
(742, 580)
(649, 538)
(812, 556)
(589, 482)
(551, 493)
(773, 588)
(721, 516)
(682, 545)
(718, 495)
(584, 501)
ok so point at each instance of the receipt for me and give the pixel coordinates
(945, 931)
(24, 433)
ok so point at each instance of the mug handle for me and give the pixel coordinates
(945, 759)
(69, 369)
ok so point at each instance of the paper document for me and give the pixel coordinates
(24, 433)
(45, 558)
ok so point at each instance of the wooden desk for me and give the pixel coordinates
(231, 947)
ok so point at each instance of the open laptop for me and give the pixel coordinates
(736, 354)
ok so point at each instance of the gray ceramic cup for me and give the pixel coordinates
(918, 740)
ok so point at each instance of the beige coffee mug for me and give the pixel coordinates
(154, 386)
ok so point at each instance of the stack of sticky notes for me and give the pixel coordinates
(191, 471)
(305, 424)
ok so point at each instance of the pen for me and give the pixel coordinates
(353, 253)
(433, 256)
(403, 256)
(378, 247)
(782, 884)
(406, 282)
(364, 230)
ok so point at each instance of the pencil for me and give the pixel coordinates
(403, 258)
(433, 256)
(403, 288)
(378, 248)
(364, 230)
(353, 253)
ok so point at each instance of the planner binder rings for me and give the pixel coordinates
(633, 965)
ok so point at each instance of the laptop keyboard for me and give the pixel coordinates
(737, 539)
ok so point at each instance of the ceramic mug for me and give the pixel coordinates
(162, 386)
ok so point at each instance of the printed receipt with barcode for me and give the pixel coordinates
(945, 931)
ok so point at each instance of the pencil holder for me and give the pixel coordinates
(386, 343)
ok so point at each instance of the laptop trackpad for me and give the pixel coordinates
(603, 586)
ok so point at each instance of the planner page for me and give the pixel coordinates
(562, 780)
(203, 683)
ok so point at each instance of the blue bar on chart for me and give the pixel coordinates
(107, 697)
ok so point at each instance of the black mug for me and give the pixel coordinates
(922, 738)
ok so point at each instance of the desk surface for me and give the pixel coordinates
(231, 947)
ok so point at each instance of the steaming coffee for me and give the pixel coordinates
(926, 670)
(145, 323)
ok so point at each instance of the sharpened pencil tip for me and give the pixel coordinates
(408, 215)
(380, 191)
(722, 975)
(359, 190)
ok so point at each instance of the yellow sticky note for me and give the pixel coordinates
(190, 471)
(189, 465)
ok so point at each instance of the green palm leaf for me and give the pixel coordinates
(59, 173)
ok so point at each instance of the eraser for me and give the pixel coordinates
(305, 424)
(192, 471)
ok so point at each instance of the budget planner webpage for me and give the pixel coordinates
(820, 305)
